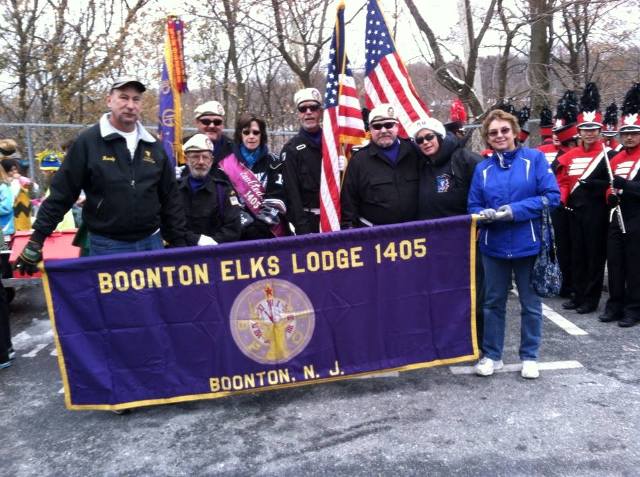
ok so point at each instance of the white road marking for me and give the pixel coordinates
(562, 322)
(54, 352)
(508, 368)
(35, 351)
(388, 374)
(61, 390)
(559, 320)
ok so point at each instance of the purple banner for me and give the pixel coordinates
(205, 322)
(167, 123)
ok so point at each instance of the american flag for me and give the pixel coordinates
(342, 125)
(387, 79)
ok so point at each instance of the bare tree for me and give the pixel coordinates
(463, 87)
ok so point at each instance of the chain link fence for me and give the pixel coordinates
(33, 138)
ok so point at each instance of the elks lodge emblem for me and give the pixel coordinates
(272, 321)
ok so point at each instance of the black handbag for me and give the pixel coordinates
(546, 277)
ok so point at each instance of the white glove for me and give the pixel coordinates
(342, 163)
(506, 214)
(206, 240)
(489, 215)
(179, 170)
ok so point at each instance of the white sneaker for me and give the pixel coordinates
(530, 369)
(486, 366)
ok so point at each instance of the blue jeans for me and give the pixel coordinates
(101, 245)
(497, 277)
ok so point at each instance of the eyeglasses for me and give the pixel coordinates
(379, 126)
(313, 108)
(208, 122)
(426, 137)
(203, 156)
(495, 132)
(254, 132)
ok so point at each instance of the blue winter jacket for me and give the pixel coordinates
(520, 179)
(6, 210)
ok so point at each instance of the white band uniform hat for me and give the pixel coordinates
(383, 112)
(213, 108)
(307, 94)
(198, 142)
(429, 123)
(123, 81)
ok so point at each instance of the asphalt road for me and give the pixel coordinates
(581, 418)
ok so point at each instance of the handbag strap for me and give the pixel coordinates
(547, 232)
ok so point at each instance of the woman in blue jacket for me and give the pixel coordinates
(509, 189)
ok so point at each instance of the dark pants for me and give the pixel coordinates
(588, 227)
(560, 221)
(479, 297)
(5, 331)
(623, 255)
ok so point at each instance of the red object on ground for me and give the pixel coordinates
(58, 245)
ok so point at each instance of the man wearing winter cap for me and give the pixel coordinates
(381, 181)
(132, 202)
(210, 205)
(302, 156)
(209, 119)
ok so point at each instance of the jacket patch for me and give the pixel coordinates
(443, 183)
(148, 157)
(301, 147)
(109, 158)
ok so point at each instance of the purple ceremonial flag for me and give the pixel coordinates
(166, 128)
(205, 322)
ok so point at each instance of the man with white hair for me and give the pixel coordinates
(381, 181)
(302, 156)
(210, 204)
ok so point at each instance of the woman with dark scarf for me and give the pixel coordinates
(263, 201)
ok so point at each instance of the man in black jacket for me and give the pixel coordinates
(132, 201)
(211, 206)
(381, 181)
(302, 157)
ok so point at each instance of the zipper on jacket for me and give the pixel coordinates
(533, 233)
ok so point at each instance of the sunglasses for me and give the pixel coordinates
(379, 126)
(208, 122)
(426, 137)
(254, 132)
(495, 132)
(313, 108)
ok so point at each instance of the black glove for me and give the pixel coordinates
(268, 215)
(613, 200)
(245, 219)
(619, 182)
(594, 183)
(29, 258)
